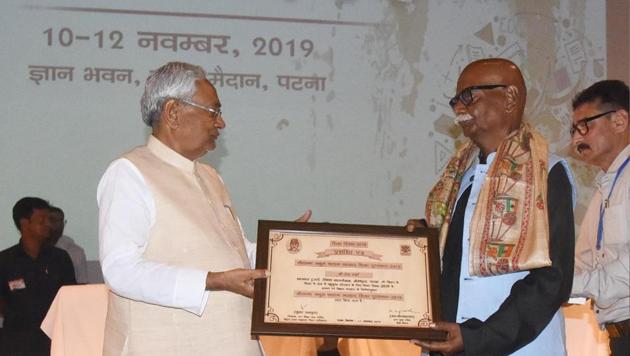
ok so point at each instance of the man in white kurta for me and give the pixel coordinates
(171, 246)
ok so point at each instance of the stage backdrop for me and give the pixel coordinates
(338, 106)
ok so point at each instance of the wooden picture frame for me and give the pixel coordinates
(343, 280)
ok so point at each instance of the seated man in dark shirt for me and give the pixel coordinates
(31, 273)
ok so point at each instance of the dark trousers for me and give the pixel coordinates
(620, 346)
(24, 343)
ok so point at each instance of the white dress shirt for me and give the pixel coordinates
(77, 255)
(604, 274)
(126, 215)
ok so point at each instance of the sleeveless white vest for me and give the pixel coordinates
(195, 227)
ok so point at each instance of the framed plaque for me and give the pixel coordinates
(357, 281)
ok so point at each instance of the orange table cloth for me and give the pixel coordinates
(76, 323)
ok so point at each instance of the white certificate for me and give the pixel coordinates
(334, 279)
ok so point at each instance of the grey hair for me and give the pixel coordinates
(174, 80)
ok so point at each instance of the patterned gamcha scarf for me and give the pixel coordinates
(509, 231)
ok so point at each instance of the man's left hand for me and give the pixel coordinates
(239, 281)
(453, 343)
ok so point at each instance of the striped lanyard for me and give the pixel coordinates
(604, 205)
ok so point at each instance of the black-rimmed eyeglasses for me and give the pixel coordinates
(582, 125)
(466, 95)
(214, 112)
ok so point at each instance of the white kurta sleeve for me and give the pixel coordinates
(250, 248)
(126, 214)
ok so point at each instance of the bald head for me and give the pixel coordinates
(497, 102)
(496, 71)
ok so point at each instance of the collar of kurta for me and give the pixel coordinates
(168, 155)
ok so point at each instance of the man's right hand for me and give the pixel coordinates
(239, 281)
(305, 217)
(413, 224)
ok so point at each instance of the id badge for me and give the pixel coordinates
(17, 284)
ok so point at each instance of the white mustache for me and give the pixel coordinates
(463, 118)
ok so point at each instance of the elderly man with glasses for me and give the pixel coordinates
(601, 137)
(505, 213)
(171, 245)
